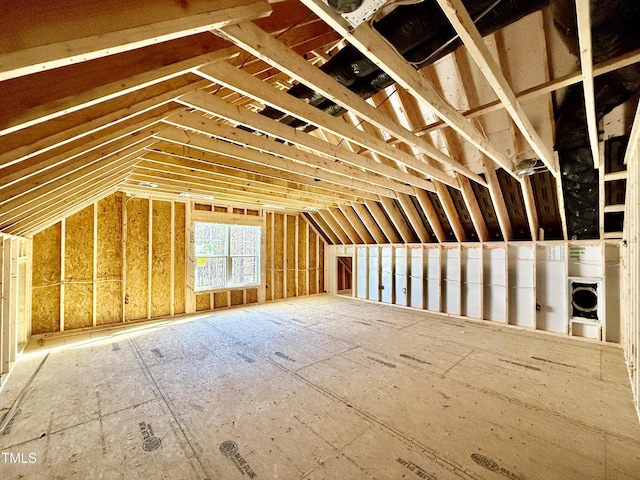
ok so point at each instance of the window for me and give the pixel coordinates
(226, 255)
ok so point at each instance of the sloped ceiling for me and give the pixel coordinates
(168, 99)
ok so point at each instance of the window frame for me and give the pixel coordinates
(228, 263)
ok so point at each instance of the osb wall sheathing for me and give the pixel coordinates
(278, 257)
(123, 248)
(80, 280)
(303, 252)
(161, 259)
(179, 272)
(203, 302)
(313, 263)
(269, 273)
(109, 261)
(291, 256)
(46, 276)
(220, 300)
(78, 270)
(137, 258)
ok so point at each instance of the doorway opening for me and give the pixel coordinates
(345, 275)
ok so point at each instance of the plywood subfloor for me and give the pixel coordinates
(323, 387)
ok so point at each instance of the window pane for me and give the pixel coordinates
(210, 239)
(244, 270)
(243, 240)
(210, 272)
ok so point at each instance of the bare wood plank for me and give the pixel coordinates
(31, 143)
(330, 220)
(370, 43)
(251, 86)
(530, 206)
(450, 211)
(583, 12)
(365, 217)
(149, 257)
(474, 210)
(550, 86)
(383, 222)
(355, 222)
(218, 107)
(345, 225)
(398, 221)
(307, 164)
(103, 93)
(135, 26)
(414, 217)
(499, 204)
(94, 307)
(326, 229)
(63, 225)
(469, 34)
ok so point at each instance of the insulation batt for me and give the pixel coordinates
(614, 32)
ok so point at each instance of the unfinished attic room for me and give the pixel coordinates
(320, 239)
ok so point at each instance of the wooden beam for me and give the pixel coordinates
(379, 51)
(60, 189)
(82, 32)
(252, 39)
(550, 86)
(397, 219)
(19, 188)
(381, 219)
(370, 224)
(273, 154)
(248, 85)
(470, 36)
(499, 204)
(103, 93)
(345, 225)
(115, 137)
(325, 228)
(193, 163)
(530, 207)
(474, 210)
(182, 171)
(583, 12)
(335, 227)
(355, 222)
(414, 217)
(29, 143)
(450, 211)
(431, 214)
(79, 197)
(218, 107)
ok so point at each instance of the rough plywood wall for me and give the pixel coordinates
(78, 270)
(237, 297)
(313, 263)
(109, 263)
(291, 256)
(251, 295)
(220, 300)
(179, 260)
(203, 302)
(269, 264)
(278, 257)
(161, 259)
(303, 251)
(46, 280)
(137, 258)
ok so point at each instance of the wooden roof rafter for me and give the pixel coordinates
(583, 12)
(253, 39)
(371, 44)
(470, 36)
